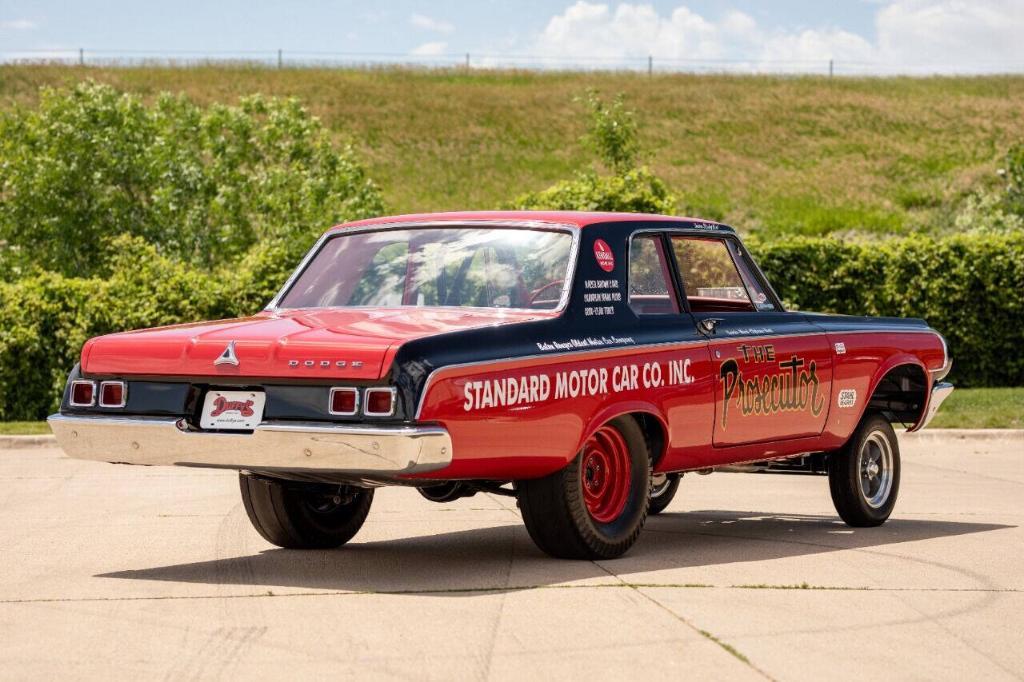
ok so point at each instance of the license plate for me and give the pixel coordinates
(234, 410)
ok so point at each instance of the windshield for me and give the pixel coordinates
(457, 266)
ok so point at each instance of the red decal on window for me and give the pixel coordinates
(603, 254)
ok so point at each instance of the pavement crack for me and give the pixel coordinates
(269, 593)
(728, 648)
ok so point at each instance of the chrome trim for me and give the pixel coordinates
(947, 362)
(348, 449)
(366, 401)
(940, 392)
(339, 389)
(124, 394)
(71, 393)
(563, 302)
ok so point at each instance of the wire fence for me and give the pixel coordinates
(649, 64)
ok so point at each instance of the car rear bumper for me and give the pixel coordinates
(342, 449)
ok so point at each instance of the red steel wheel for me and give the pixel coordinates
(595, 507)
(606, 474)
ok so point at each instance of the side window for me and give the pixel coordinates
(710, 278)
(650, 289)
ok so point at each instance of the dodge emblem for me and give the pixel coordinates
(228, 357)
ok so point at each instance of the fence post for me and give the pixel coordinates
(81, 56)
(650, 65)
(830, 65)
(280, 58)
(467, 61)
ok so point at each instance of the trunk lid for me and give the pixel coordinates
(354, 343)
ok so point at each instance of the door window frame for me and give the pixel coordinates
(680, 306)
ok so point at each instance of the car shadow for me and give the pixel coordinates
(502, 558)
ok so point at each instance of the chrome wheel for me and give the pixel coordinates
(659, 484)
(875, 464)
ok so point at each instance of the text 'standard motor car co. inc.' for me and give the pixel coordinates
(581, 362)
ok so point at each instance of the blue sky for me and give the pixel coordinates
(869, 35)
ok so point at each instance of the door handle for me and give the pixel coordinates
(709, 324)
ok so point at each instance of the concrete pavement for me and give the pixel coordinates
(126, 571)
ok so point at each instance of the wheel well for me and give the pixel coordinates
(901, 395)
(654, 432)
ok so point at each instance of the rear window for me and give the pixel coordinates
(437, 267)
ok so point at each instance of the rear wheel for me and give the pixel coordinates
(596, 506)
(304, 515)
(864, 476)
(663, 489)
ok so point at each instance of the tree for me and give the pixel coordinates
(612, 133)
(200, 185)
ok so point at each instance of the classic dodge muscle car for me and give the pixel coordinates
(581, 362)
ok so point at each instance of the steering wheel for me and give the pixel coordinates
(535, 294)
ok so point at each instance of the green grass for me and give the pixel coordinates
(23, 428)
(777, 154)
(982, 408)
(967, 408)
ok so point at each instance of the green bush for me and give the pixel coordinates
(634, 191)
(46, 318)
(201, 185)
(968, 287)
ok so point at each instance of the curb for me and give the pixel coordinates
(27, 442)
(49, 441)
(966, 434)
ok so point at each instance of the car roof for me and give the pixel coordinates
(573, 218)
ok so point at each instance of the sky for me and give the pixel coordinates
(861, 36)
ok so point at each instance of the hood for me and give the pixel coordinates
(353, 343)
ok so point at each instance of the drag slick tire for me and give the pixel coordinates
(864, 476)
(297, 515)
(663, 489)
(596, 506)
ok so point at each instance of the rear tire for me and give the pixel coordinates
(596, 506)
(663, 492)
(864, 476)
(304, 515)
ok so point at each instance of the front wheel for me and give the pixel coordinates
(864, 476)
(596, 506)
(663, 489)
(304, 515)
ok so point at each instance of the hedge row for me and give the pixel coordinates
(971, 288)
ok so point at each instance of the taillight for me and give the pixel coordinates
(83, 393)
(344, 401)
(113, 394)
(380, 402)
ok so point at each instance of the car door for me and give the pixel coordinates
(773, 369)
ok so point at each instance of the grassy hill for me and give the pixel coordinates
(807, 155)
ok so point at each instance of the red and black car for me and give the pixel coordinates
(581, 362)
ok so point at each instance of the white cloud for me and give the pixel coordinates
(912, 36)
(430, 24)
(18, 25)
(960, 35)
(430, 49)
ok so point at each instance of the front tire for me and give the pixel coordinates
(864, 476)
(662, 492)
(297, 515)
(596, 506)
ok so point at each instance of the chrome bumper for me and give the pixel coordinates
(940, 391)
(355, 450)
